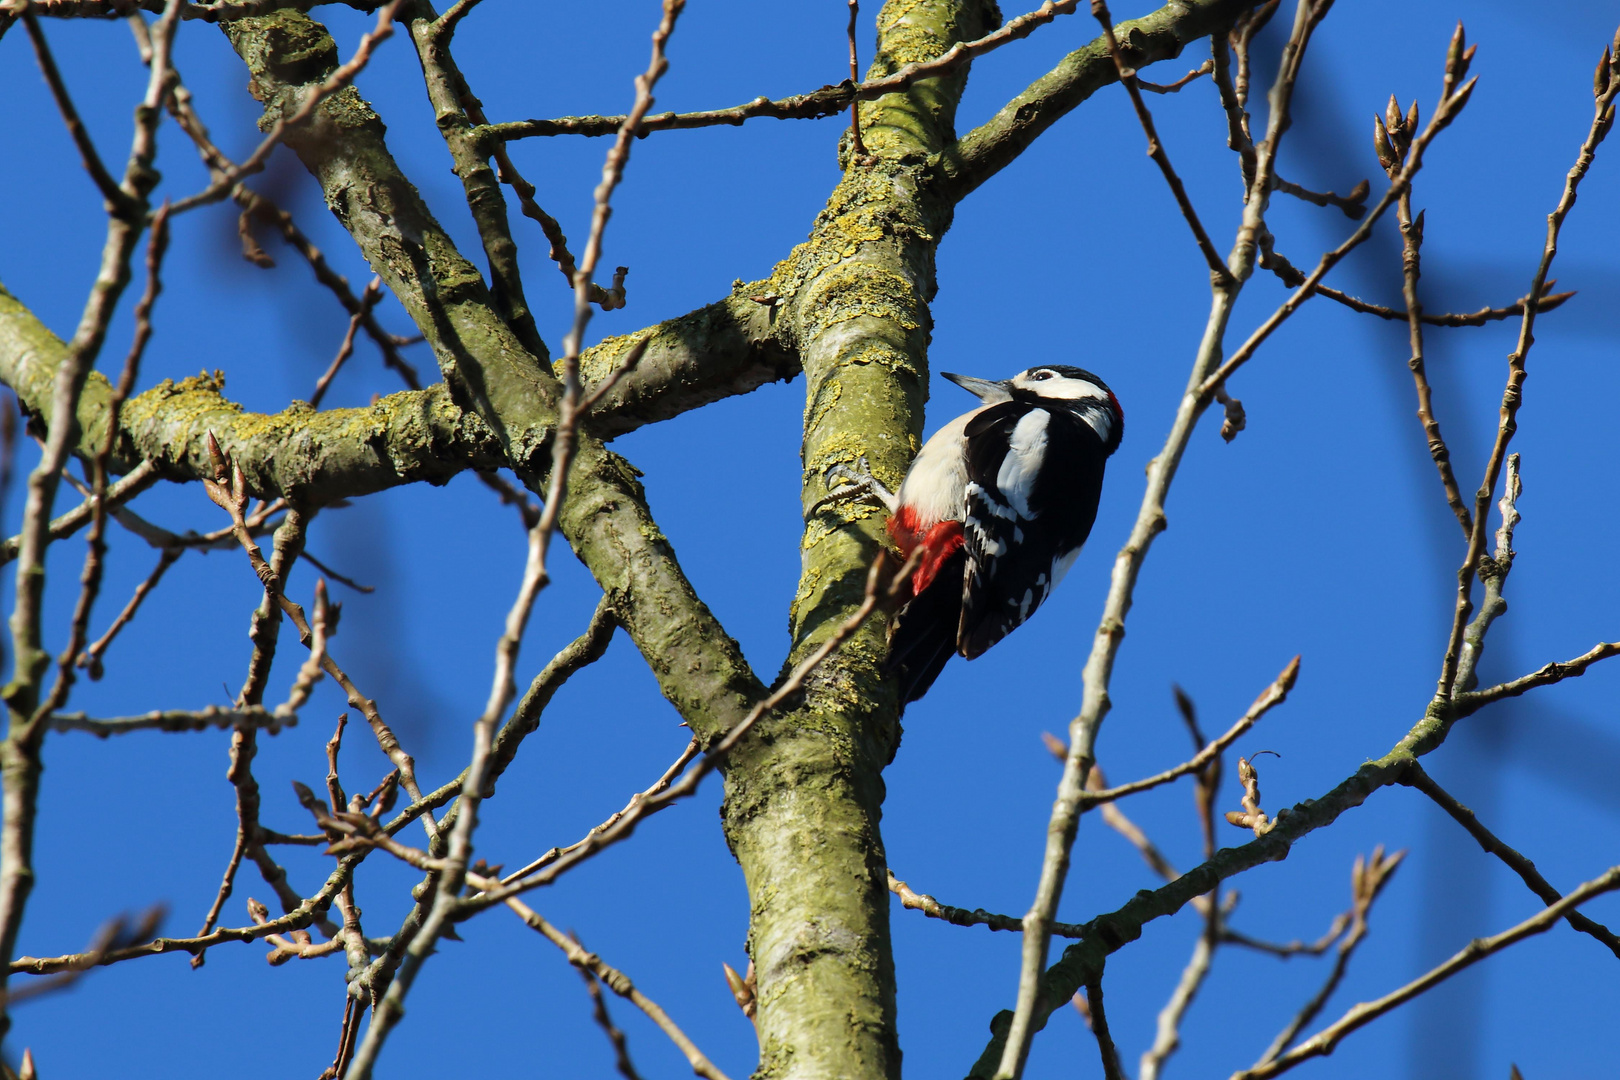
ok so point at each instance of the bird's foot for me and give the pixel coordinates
(859, 483)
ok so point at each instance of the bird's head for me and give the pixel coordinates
(1056, 386)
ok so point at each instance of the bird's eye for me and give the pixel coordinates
(1040, 376)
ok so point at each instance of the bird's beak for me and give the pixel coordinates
(983, 389)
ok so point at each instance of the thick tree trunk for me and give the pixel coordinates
(804, 798)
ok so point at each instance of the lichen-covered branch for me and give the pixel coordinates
(803, 800)
(318, 456)
(605, 515)
(996, 143)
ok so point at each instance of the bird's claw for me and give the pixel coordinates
(859, 483)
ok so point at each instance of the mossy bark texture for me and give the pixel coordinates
(848, 308)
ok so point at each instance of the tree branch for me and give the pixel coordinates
(993, 145)
(616, 980)
(1361, 1015)
(1512, 395)
(827, 101)
(1416, 777)
(320, 457)
(963, 917)
(211, 716)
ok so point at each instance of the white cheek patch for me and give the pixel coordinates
(1100, 420)
(1070, 389)
(1025, 452)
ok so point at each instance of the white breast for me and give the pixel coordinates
(934, 487)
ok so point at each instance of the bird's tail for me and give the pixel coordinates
(922, 636)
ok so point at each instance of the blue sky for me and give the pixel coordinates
(1320, 531)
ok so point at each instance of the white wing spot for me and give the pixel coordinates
(1025, 451)
(988, 544)
(989, 502)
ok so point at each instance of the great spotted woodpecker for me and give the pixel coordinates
(1000, 501)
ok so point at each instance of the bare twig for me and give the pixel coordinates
(368, 300)
(293, 948)
(1354, 204)
(345, 74)
(615, 980)
(828, 101)
(858, 154)
(137, 480)
(341, 579)
(204, 719)
(1293, 948)
(1150, 521)
(117, 933)
(264, 210)
(1472, 318)
(1098, 1019)
(1251, 816)
(447, 902)
(289, 540)
(1545, 676)
(1175, 88)
(351, 1026)
(1367, 879)
(90, 578)
(118, 200)
(305, 915)
(963, 917)
(1324, 1041)
(570, 408)
(678, 766)
(1494, 573)
(1512, 395)
(1167, 1032)
(1115, 819)
(599, 1013)
(1156, 151)
(20, 751)
(631, 359)
(91, 657)
(881, 589)
(1272, 696)
(1449, 108)
(1418, 778)
(1233, 104)
(1392, 137)
(228, 489)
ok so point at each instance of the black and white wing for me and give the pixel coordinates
(1034, 482)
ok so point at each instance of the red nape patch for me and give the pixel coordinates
(1117, 409)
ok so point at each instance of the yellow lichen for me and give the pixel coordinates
(861, 289)
(912, 44)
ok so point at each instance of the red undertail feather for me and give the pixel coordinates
(939, 542)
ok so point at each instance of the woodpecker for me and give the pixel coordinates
(1000, 501)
